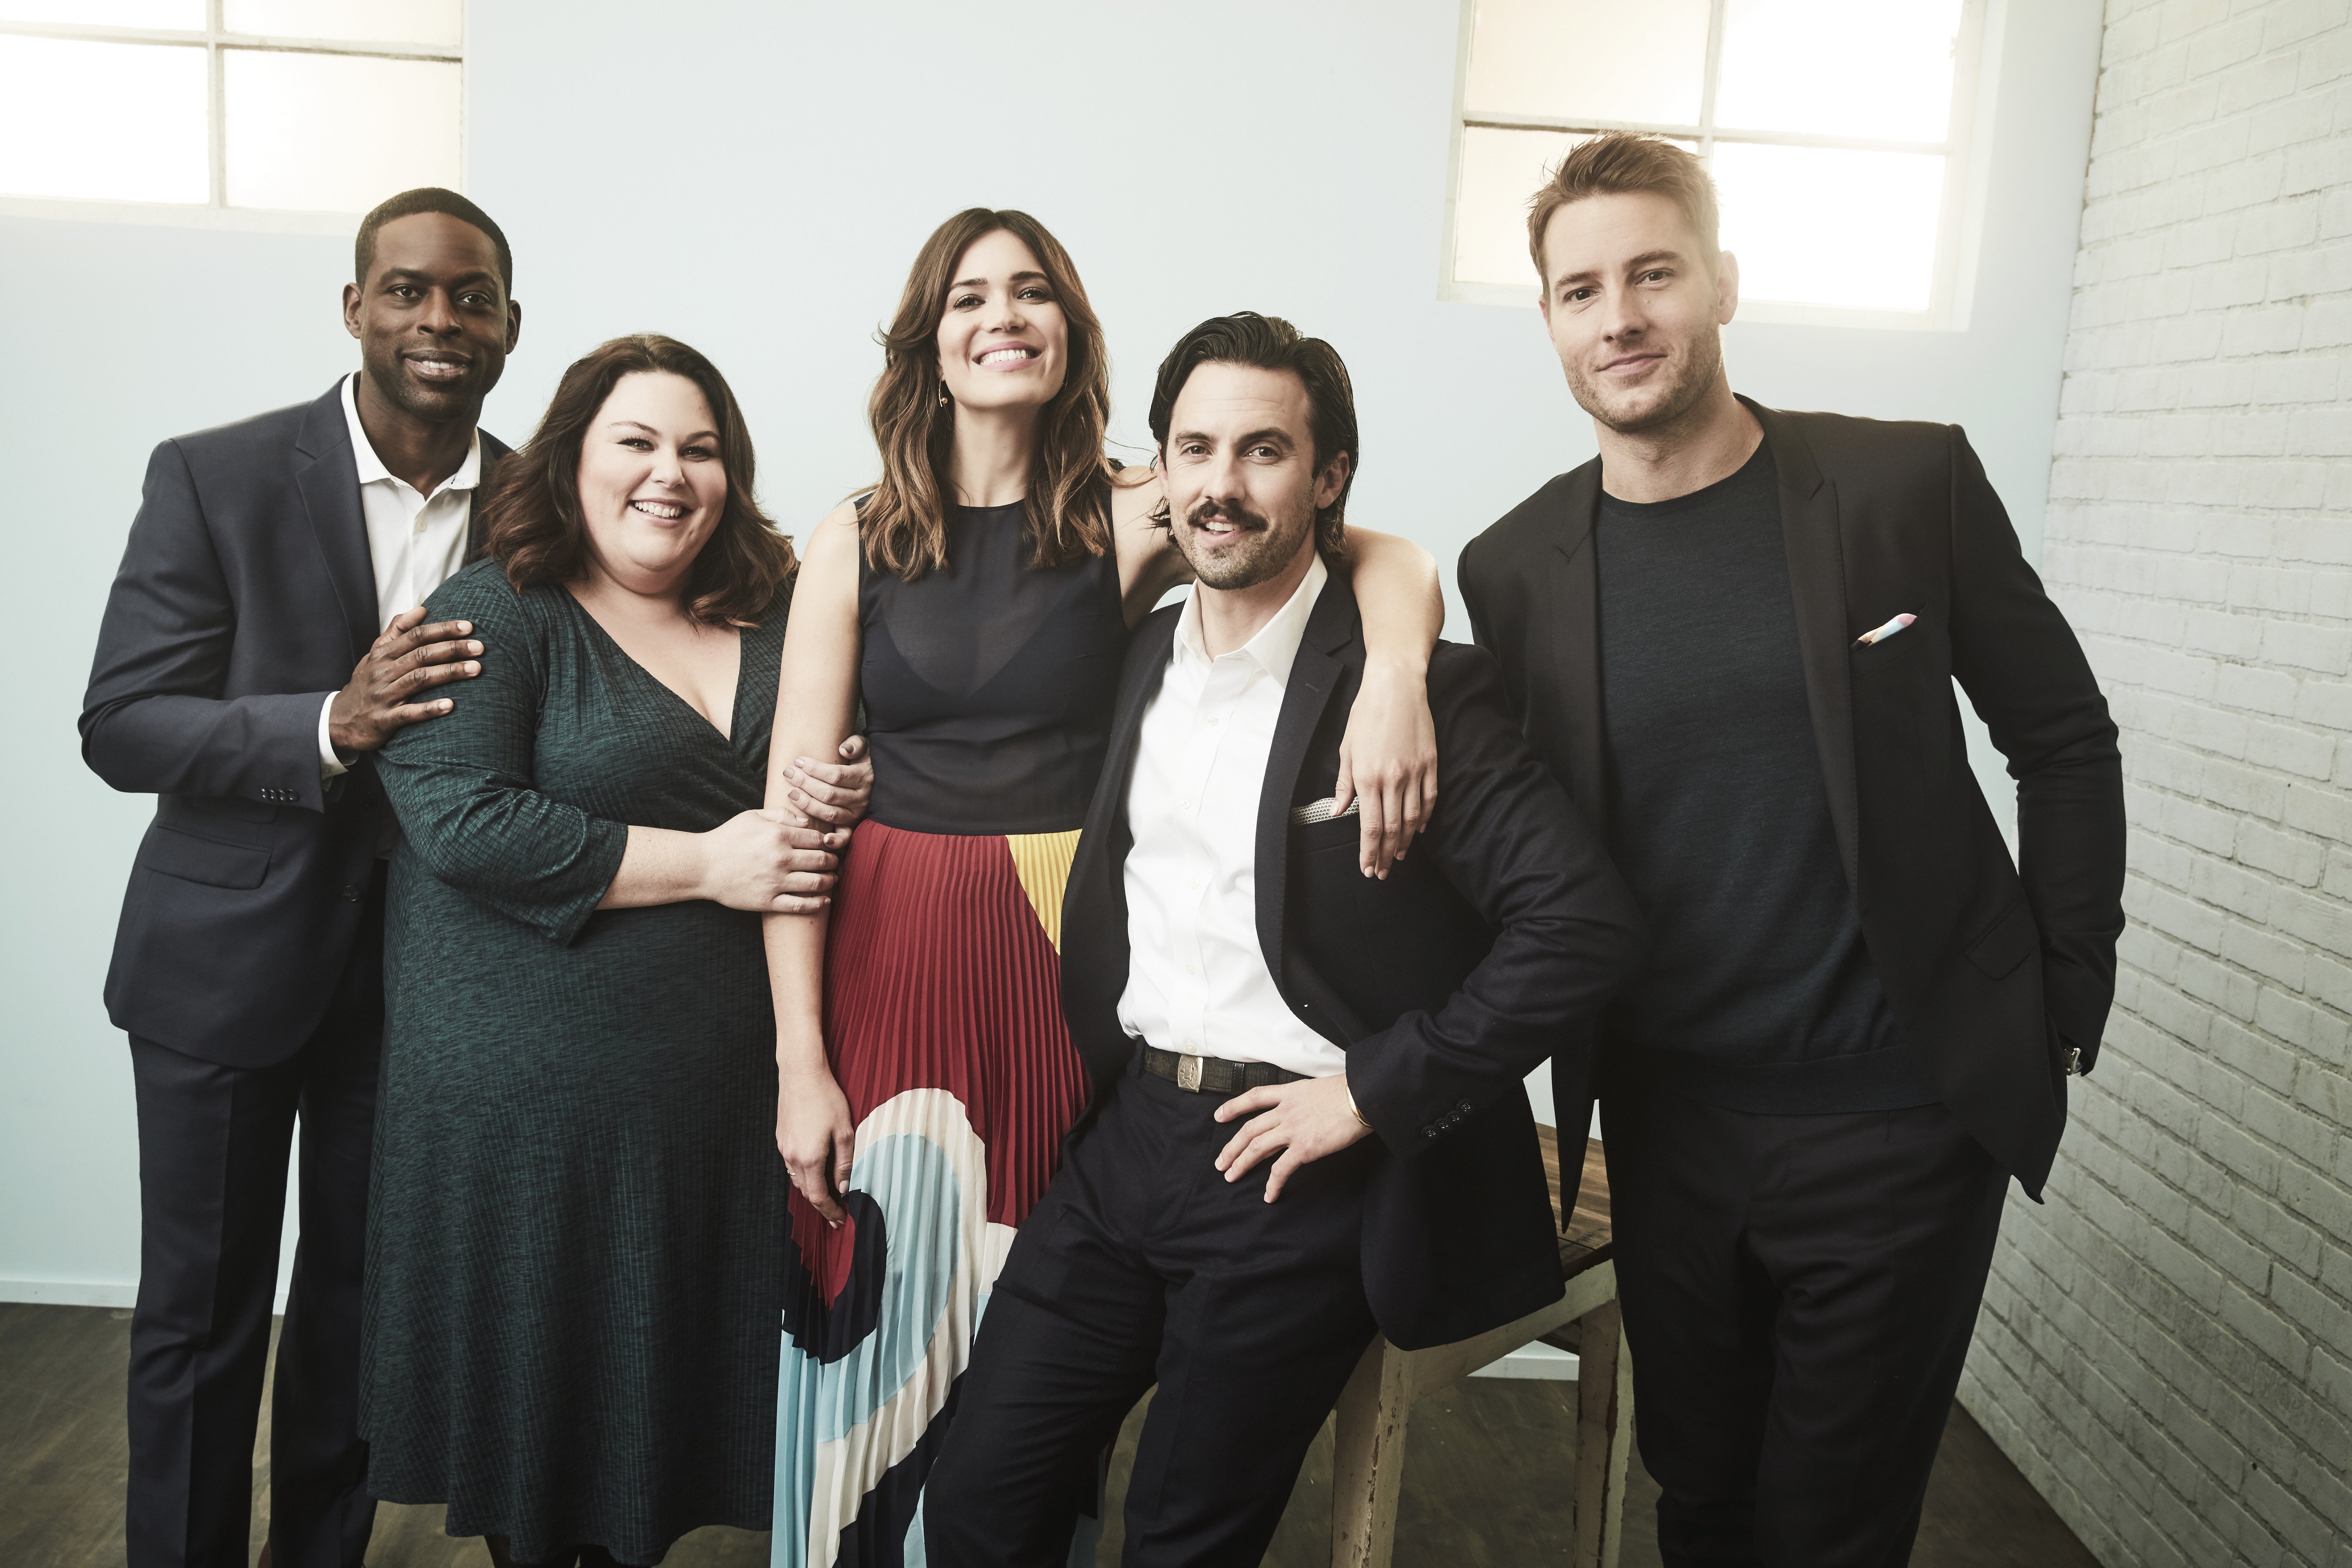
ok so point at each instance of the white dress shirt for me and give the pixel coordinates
(1197, 980)
(416, 542)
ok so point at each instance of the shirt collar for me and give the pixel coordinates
(1275, 648)
(371, 467)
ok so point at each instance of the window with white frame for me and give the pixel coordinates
(1837, 131)
(323, 106)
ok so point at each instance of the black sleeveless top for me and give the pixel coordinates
(989, 684)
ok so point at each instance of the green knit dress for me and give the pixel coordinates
(576, 1233)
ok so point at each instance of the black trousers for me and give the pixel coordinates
(1143, 1265)
(213, 1147)
(1799, 1294)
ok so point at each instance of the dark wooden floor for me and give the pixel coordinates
(1483, 1468)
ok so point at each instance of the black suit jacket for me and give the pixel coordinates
(1996, 968)
(1447, 983)
(247, 594)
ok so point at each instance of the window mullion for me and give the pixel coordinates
(1714, 77)
(216, 107)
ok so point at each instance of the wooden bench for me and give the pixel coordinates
(1367, 1455)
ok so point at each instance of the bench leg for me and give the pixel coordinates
(1605, 1431)
(1368, 1458)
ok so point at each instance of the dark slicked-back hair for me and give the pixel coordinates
(1269, 342)
(428, 199)
(1620, 162)
(532, 520)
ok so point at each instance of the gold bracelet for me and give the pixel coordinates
(1350, 1093)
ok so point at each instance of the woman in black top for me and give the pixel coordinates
(978, 600)
(577, 1229)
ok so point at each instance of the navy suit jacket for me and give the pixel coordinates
(1503, 930)
(246, 594)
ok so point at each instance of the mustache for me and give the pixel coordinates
(1240, 515)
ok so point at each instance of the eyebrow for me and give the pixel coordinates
(983, 282)
(640, 425)
(1646, 258)
(1271, 433)
(407, 274)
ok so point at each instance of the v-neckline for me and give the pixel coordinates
(734, 708)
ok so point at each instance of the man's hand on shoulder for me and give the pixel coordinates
(388, 687)
(1300, 1122)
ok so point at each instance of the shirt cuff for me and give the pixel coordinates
(330, 765)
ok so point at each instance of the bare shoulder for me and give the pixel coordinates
(1134, 494)
(828, 574)
(836, 529)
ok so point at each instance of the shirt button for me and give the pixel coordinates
(420, 525)
(353, 894)
(1183, 806)
(1188, 969)
(1213, 721)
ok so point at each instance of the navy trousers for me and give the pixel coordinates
(212, 1149)
(1142, 1265)
(1799, 1294)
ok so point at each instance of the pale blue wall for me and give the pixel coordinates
(754, 178)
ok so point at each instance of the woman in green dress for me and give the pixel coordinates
(575, 1257)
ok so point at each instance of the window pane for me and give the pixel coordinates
(112, 121)
(1839, 67)
(1500, 170)
(182, 16)
(1821, 226)
(382, 21)
(1589, 60)
(336, 132)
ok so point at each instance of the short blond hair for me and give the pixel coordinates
(1619, 163)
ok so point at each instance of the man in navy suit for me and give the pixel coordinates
(263, 639)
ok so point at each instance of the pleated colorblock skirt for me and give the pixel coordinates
(943, 1020)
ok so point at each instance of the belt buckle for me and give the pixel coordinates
(1188, 1073)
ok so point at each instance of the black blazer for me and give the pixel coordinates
(1995, 972)
(1446, 984)
(246, 594)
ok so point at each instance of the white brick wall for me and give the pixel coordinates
(2166, 1349)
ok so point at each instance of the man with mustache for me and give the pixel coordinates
(263, 639)
(1307, 1123)
(1733, 637)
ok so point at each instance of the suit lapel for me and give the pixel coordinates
(1314, 680)
(328, 478)
(1809, 530)
(1576, 629)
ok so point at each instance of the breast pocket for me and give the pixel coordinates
(1331, 834)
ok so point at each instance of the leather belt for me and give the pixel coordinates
(1212, 1075)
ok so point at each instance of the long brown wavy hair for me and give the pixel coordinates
(532, 520)
(903, 521)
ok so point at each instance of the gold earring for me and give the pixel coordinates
(943, 392)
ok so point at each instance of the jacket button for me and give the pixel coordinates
(1464, 1108)
(1429, 1132)
(353, 894)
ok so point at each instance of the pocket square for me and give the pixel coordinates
(1320, 810)
(1873, 638)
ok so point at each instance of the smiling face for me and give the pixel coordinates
(1239, 468)
(1004, 342)
(1634, 311)
(433, 318)
(652, 485)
